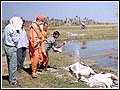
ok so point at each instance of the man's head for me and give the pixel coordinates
(56, 34)
(41, 18)
(16, 22)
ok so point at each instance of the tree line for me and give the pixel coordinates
(76, 21)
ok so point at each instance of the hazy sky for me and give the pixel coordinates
(99, 11)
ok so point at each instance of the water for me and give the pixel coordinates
(91, 49)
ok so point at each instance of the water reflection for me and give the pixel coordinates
(84, 46)
(91, 49)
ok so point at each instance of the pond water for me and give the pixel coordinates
(91, 49)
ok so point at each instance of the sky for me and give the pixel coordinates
(99, 11)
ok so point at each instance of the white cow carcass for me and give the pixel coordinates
(86, 74)
(103, 80)
(80, 70)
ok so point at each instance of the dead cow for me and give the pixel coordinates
(85, 73)
(103, 80)
(80, 70)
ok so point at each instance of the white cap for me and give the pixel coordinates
(17, 22)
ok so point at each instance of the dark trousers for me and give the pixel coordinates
(21, 54)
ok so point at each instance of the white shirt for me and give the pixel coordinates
(10, 36)
(23, 41)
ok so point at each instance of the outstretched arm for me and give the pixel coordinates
(60, 45)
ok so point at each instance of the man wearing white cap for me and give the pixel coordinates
(11, 37)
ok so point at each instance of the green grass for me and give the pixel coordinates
(98, 27)
(93, 32)
(49, 79)
(58, 79)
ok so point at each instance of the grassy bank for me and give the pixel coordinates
(57, 79)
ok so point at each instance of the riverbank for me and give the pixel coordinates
(56, 79)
